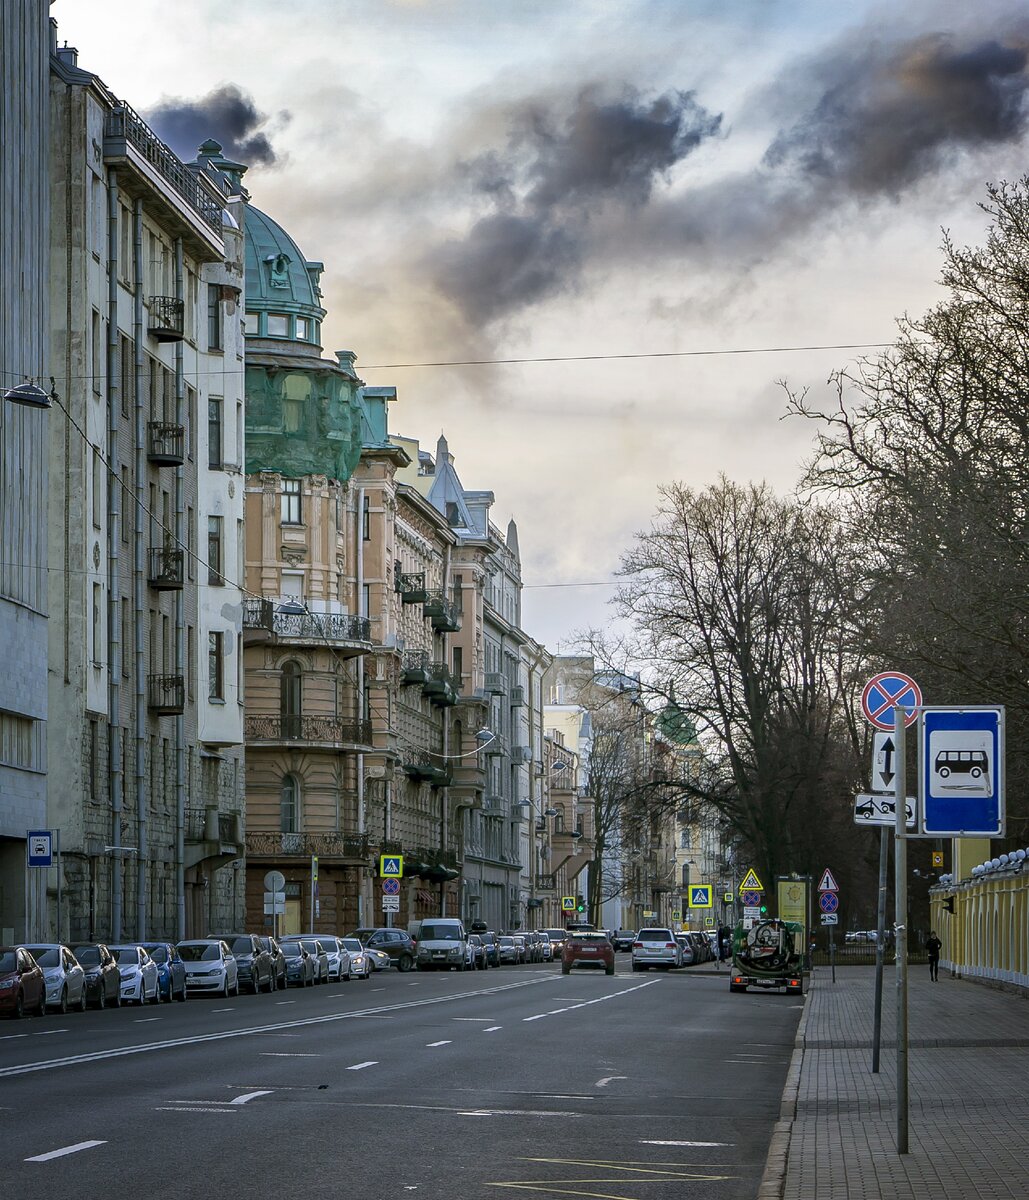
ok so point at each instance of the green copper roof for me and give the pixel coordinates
(279, 278)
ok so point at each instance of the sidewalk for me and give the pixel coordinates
(968, 1114)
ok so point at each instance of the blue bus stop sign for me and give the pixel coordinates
(961, 771)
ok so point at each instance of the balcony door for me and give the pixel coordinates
(291, 690)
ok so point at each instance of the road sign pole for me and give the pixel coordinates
(57, 838)
(900, 888)
(880, 938)
(832, 952)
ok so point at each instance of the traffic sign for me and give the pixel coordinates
(750, 899)
(828, 882)
(391, 887)
(881, 810)
(828, 902)
(275, 881)
(676, 914)
(830, 919)
(390, 904)
(727, 897)
(751, 883)
(883, 692)
(568, 904)
(40, 847)
(392, 865)
(884, 762)
(700, 895)
(274, 903)
(937, 858)
(709, 920)
(751, 910)
(961, 771)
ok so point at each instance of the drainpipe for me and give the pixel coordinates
(361, 707)
(114, 513)
(444, 792)
(180, 627)
(142, 800)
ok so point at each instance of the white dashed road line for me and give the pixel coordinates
(599, 1000)
(48, 1032)
(361, 1066)
(274, 1054)
(64, 1150)
(249, 1096)
(493, 1029)
(607, 1079)
(695, 1145)
(429, 1045)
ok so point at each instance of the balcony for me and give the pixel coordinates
(166, 695)
(521, 755)
(258, 617)
(342, 630)
(320, 732)
(494, 805)
(164, 569)
(440, 687)
(518, 696)
(211, 834)
(496, 683)
(415, 667)
(546, 883)
(412, 588)
(497, 748)
(352, 847)
(444, 615)
(166, 322)
(165, 445)
(423, 767)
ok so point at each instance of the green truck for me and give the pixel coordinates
(768, 954)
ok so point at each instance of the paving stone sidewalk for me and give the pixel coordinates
(968, 1085)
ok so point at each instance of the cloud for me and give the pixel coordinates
(227, 114)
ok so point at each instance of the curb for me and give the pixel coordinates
(773, 1179)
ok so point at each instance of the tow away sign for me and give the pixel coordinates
(881, 810)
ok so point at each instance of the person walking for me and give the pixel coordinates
(933, 947)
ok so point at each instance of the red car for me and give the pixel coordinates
(584, 949)
(22, 986)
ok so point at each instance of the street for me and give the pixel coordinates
(451, 1085)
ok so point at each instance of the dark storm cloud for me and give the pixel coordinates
(887, 116)
(562, 165)
(226, 114)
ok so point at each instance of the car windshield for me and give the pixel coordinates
(291, 949)
(353, 945)
(8, 962)
(159, 954)
(436, 932)
(206, 952)
(45, 956)
(313, 947)
(88, 956)
(241, 945)
(507, 941)
(127, 956)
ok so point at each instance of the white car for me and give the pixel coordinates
(656, 948)
(379, 959)
(65, 978)
(336, 952)
(548, 949)
(140, 978)
(360, 963)
(210, 967)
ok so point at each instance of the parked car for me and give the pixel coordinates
(655, 948)
(492, 945)
(314, 947)
(510, 951)
(587, 949)
(557, 938)
(171, 970)
(210, 966)
(521, 948)
(547, 948)
(477, 959)
(22, 984)
(254, 966)
(622, 939)
(379, 959)
(442, 944)
(278, 962)
(360, 958)
(65, 979)
(139, 974)
(397, 943)
(701, 947)
(336, 953)
(103, 979)
(301, 967)
(686, 946)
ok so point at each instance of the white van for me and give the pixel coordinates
(442, 944)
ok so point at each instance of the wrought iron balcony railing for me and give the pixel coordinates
(258, 614)
(546, 883)
(320, 731)
(323, 627)
(415, 667)
(496, 683)
(166, 694)
(165, 572)
(167, 318)
(444, 614)
(411, 587)
(424, 767)
(440, 687)
(166, 444)
(304, 845)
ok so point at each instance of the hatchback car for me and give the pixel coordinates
(622, 939)
(65, 978)
(360, 958)
(210, 967)
(396, 943)
(171, 970)
(686, 946)
(278, 962)
(301, 968)
(336, 953)
(254, 964)
(476, 959)
(587, 949)
(545, 945)
(140, 979)
(22, 985)
(510, 951)
(103, 979)
(492, 944)
(655, 948)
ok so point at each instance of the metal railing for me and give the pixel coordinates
(303, 845)
(546, 883)
(258, 614)
(496, 683)
(166, 443)
(320, 730)
(167, 320)
(317, 627)
(165, 568)
(166, 694)
(444, 614)
(411, 586)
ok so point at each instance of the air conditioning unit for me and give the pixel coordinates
(520, 755)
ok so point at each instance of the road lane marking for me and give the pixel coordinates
(9, 1037)
(285, 1002)
(493, 1029)
(283, 1054)
(471, 1112)
(607, 1079)
(194, 1108)
(247, 1096)
(644, 1142)
(146, 1020)
(214, 1010)
(361, 1066)
(48, 1032)
(430, 1045)
(599, 1000)
(484, 1020)
(300, 1023)
(64, 1150)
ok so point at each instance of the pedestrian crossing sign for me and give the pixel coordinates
(700, 895)
(391, 866)
(751, 883)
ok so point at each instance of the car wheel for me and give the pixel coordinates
(157, 993)
(405, 963)
(101, 998)
(235, 990)
(566, 970)
(225, 987)
(62, 1004)
(609, 970)
(40, 1009)
(117, 997)
(182, 994)
(19, 1007)
(83, 1002)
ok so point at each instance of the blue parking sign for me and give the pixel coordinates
(961, 771)
(40, 846)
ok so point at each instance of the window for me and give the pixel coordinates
(214, 317)
(94, 759)
(215, 575)
(190, 664)
(366, 520)
(215, 661)
(123, 504)
(98, 488)
(214, 433)
(366, 600)
(291, 497)
(291, 698)
(252, 324)
(289, 805)
(458, 664)
(191, 541)
(278, 325)
(98, 349)
(303, 329)
(127, 378)
(239, 457)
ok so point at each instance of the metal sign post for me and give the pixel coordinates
(900, 866)
(880, 938)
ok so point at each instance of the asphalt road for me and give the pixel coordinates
(513, 1081)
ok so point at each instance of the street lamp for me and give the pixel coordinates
(29, 394)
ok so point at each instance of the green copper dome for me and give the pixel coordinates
(283, 288)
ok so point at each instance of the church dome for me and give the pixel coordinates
(283, 292)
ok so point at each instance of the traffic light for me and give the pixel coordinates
(764, 909)
(948, 904)
(580, 904)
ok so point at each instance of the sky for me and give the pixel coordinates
(575, 179)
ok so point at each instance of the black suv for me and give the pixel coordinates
(394, 942)
(254, 963)
(622, 939)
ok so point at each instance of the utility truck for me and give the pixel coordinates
(767, 954)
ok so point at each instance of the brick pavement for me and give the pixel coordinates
(968, 1067)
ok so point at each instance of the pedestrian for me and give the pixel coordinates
(933, 947)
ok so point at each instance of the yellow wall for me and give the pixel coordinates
(988, 936)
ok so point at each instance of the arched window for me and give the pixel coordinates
(290, 699)
(559, 822)
(289, 805)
